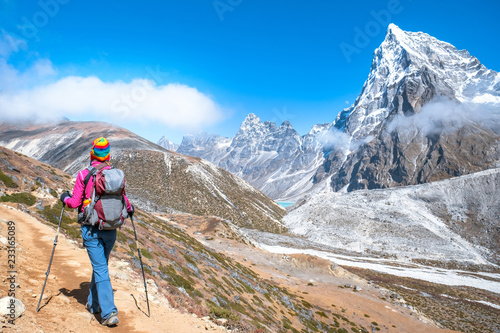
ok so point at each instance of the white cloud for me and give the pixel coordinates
(90, 98)
(12, 80)
(333, 138)
(36, 94)
(442, 115)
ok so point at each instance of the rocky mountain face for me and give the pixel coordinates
(449, 223)
(426, 112)
(157, 179)
(276, 160)
(167, 144)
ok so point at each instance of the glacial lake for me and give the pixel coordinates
(284, 204)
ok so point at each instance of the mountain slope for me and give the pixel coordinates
(449, 223)
(67, 287)
(156, 178)
(426, 112)
(192, 287)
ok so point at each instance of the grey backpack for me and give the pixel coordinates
(107, 209)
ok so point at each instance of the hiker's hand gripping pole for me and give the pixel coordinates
(140, 259)
(52, 256)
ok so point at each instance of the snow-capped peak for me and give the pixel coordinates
(420, 45)
(393, 29)
(167, 144)
(419, 67)
(251, 118)
(252, 123)
(319, 128)
(286, 124)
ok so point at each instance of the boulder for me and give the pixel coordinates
(395, 296)
(11, 307)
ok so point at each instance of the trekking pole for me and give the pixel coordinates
(140, 259)
(50, 262)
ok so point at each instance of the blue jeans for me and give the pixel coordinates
(99, 244)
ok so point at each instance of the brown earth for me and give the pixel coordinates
(63, 305)
(317, 281)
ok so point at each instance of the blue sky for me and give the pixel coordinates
(174, 67)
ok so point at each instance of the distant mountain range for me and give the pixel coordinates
(157, 179)
(276, 160)
(426, 112)
(167, 144)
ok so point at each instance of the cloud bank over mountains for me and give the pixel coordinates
(442, 115)
(37, 94)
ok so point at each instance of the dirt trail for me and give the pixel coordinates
(63, 307)
(65, 295)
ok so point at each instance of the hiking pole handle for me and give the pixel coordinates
(51, 257)
(142, 266)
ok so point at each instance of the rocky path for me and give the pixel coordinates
(63, 304)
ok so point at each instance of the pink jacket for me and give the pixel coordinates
(76, 199)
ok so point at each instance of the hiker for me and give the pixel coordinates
(99, 235)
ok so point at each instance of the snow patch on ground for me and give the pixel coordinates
(480, 280)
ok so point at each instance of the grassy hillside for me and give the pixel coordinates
(190, 275)
(158, 179)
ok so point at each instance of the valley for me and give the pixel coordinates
(197, 265)
(385, 219)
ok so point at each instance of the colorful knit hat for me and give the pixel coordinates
(100, 150)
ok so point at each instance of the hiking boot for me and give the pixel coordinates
(112, 320)
(89, 309)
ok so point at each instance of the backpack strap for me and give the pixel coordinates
(92, 172)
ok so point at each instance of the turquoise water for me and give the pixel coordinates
(284, 203)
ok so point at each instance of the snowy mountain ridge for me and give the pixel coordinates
(167, 144)
(426, 112)
(409, 60)
(277, 160)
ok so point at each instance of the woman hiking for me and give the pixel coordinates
(98, 233)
